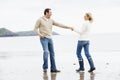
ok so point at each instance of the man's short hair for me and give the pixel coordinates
(46, 11)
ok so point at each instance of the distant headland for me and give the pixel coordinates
(8, 33)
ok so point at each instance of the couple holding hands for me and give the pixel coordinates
(43, 28)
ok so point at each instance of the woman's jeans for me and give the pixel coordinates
(85, 45)
(47, 45)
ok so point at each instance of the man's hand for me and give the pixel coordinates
(41, 36)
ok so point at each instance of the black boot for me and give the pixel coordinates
(92, 67)
(81, 64)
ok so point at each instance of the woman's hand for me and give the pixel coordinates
(72, 28)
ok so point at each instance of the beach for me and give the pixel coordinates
(21, 58)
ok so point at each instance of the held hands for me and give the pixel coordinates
(71, 28)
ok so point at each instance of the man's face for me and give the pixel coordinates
(49, 14)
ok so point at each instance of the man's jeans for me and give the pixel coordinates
(85, 45)
(47, 45)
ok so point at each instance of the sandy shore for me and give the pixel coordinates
(21, 59)
(28, 66)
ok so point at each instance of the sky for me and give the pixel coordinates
(21, 15)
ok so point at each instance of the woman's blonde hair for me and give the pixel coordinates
(90, 18)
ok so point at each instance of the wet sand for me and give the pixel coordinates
(27, 65)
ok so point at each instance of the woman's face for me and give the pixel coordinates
(85, 17)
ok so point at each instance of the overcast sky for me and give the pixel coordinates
(21, 15)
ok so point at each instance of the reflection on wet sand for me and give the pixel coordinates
(82, 75)
(92, 76)
(45, 76)
(53, 76)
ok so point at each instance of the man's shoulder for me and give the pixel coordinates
(40, 19)
(44, 19)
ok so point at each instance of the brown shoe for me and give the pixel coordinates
(55, 71)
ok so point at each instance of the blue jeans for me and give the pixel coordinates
(85, 45)
(47, 45)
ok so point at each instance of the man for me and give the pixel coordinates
(43, 28)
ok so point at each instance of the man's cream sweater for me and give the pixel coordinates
(44, 26)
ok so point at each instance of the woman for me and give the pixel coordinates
(83, 42)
